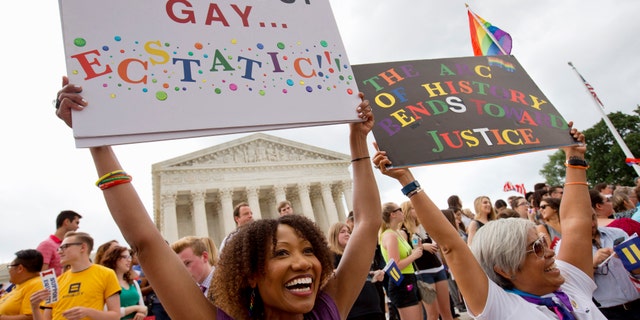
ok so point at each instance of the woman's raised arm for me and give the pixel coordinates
(575, 208)
(161, 265)
(358, 255)
(471, 279)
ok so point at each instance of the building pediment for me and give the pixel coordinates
(257, 149)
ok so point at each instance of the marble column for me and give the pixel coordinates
(329, 204)
(199, 213)
(254, 201)
(305, 200)
(226, 215)
(347, 189)
(336, 192)
(169, 217)
(318, 207)
(280, 192)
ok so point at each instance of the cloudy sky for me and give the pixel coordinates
(44, 173)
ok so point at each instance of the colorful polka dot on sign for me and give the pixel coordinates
(79, 42)
(161, 95)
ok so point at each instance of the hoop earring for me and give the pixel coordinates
(251, 301)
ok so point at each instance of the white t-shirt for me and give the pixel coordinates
(578, 286)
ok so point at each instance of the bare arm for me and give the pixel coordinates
(471, 279)
(140, 232)
(358, 255)
(575, 212)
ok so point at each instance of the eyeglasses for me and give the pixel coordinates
(396, 210)
(543, 206)
(67, 245)
(127, 257)
(539, 246)
(523, 204)
(10, 266)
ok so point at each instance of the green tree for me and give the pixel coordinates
(605, 157)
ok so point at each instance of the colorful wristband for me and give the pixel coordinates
(110, 174)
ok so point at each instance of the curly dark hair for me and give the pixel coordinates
(110, 260)
(245, 255)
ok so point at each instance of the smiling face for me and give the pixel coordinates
(537, 275)
(343, 236)
(124, 261)
(292, 275)
(546, 210)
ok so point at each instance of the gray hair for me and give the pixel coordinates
(502, 243)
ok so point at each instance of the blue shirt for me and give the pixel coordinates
(614, 285)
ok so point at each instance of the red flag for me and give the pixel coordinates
(520, 189)
(632, 161)
(508, 186)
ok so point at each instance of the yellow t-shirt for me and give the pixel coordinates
(17, 301)
(89, 288)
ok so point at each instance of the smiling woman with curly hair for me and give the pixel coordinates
(241, 263)
(272, 269)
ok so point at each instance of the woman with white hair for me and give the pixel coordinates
(514, 274)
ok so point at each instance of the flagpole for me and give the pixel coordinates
(606, 120)
(486, 30)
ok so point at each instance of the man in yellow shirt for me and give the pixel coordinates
(84, 290)
(23, 272)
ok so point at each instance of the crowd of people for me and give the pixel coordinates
(547, 254)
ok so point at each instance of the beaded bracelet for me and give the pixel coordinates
(361, 158)
(578, 183)
(110, 174)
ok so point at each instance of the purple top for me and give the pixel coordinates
(324, 308)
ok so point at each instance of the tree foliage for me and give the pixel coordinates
(606, 158)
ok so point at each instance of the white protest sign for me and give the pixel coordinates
(50, 283)
(164, 69)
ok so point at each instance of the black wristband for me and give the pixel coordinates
(577, 162)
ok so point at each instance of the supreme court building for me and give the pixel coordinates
(195, 194)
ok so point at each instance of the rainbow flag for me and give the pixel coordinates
(484, 36)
